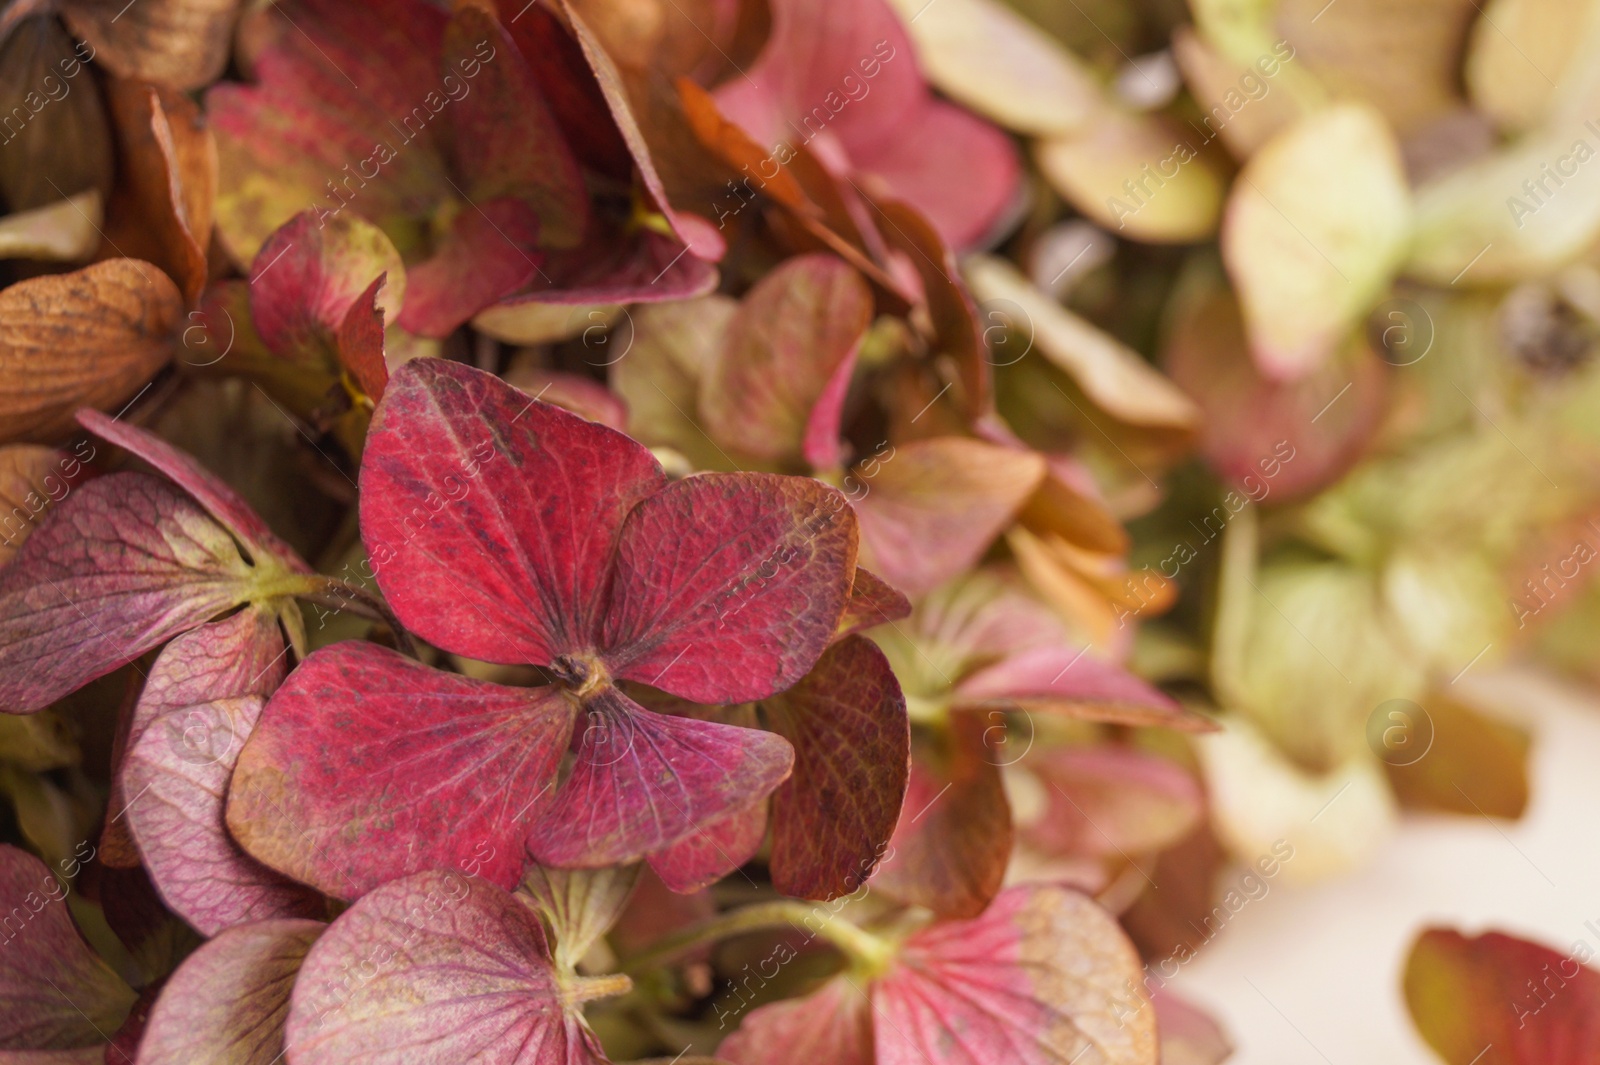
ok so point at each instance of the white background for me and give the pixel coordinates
(1310, 975)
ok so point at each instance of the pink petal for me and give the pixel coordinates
(491, 519)
(958, 170)
(1110, 802)
(1071, 681)
(435, 969)
(852, 740)
(491, 251)
(714, 851)
(729, 585)
(55, 993)
(180, 785)
(125, 565)
(367, 766)
(642, 781)
(1043, 976)
(788, 355)
(209, 490)
(613, 266)
(228, 1001)
(832, 1024)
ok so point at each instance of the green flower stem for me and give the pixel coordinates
(867, 952)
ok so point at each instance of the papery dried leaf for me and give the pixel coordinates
(1403, 61)
(57, 993)
(65, 231)
(872, 602)
(1318, 221)
(775, 390)
(1216, 82)
(1042, 977)
(580, 905)
(32, 480)
(130, 564)
(88, 338)
(228, 1002)
(986, 56)
(367, 766)
(951, 844)
(832, 1024)
(932, 507)
(1509, 52)
(729, 586)
(479, 502)
(1111, 374)
(1484, 999)
(643, 781)
(1176, 194)
(451, 968)
(181, 43)
(57, 140)
(1474, 764)
(161, 207)
(833, 818)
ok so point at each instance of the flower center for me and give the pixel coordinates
(580, 674)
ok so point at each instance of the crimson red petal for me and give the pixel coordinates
(643, 781)
(367, 766)
(490, 251)
(729, 586)
(714, 851)
(491, 519)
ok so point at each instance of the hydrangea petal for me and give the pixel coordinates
(435, 969)
(642, 781)
(178, 773)
(1042, 977)
(490, 518)
(729, 585)
(228, 1001)
(797, 330)
(832, 1024)
(833, 818)
(367, 766)
(210, 491)
(129, 564)
(1071, 681)
(55, 993)
(714, 850)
